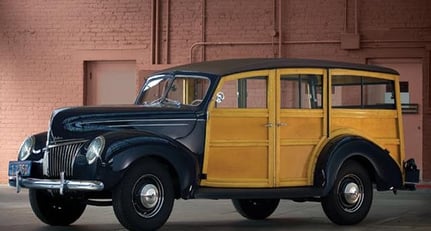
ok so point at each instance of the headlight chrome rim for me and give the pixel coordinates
(26, 148)
(94, 149)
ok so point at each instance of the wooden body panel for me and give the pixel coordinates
(278, 146)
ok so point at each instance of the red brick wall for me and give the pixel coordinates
(38, 68)
(43, 44)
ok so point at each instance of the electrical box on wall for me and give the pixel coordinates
(350, 41)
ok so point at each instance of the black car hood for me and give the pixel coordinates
(89, 121)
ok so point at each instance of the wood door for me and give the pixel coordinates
(239, 149)
(300, 124)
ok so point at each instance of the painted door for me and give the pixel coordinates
(110, 82)
(300, 127)
(239, 148)
(411, 78)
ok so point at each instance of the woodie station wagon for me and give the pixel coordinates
(251, 130)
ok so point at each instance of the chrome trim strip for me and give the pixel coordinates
(45, 162)
(74, 185)
(144, 125)
(132, 121)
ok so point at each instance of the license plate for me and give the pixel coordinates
(24, 167)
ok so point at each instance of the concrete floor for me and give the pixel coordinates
(404, 211)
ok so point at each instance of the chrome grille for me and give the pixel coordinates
(60, 158)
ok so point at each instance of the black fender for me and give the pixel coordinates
(37, 154)
(39, 146)
(123, 149)
(384, 171)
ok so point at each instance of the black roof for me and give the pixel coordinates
(231, 66)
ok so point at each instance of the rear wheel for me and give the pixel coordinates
(55, 209)
(350, 199)
(144, 198)
(255, 209)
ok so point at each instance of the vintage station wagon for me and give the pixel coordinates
(251, 130)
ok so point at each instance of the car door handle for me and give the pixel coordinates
(268, 125)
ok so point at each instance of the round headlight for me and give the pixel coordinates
(26, 148)
(94, 149)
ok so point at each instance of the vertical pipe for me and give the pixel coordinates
(345, 15)
(152, 30)
(274, 13)
(168, 5)
(356, 16)
(156, 37)
(203, 29)
(274, 27)
(280, 30)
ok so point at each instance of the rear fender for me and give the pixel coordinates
(383, 170)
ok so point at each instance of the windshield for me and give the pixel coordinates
(168, 90)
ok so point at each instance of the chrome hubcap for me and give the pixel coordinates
(351, 193)
(149, 196)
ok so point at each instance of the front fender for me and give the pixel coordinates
(39, 146)
(37, 154)
(383, 170)
(124, 149)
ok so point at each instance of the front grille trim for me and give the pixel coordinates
(60, 157)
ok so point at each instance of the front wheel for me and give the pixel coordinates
(350, 199)
(255, 209)
(55, 209)
(144, 198)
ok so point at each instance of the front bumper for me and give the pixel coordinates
(59, 184)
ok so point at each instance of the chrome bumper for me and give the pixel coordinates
(60, 184)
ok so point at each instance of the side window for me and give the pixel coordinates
(190, 90)
(244, 93)
(301, 91)
(362, 92)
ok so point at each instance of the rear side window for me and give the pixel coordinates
(362, 92)
(301, 91)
